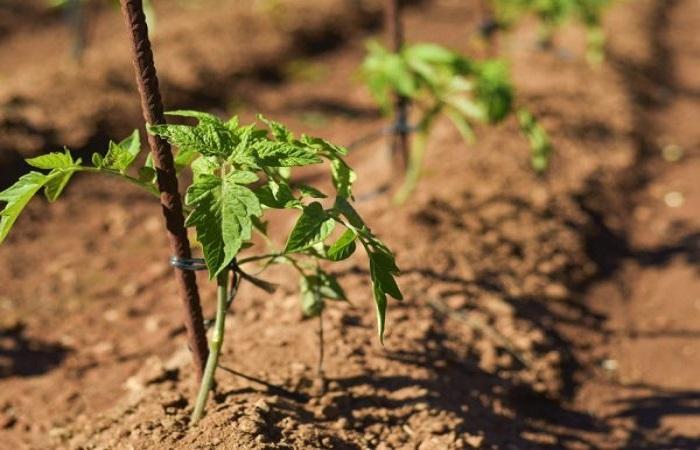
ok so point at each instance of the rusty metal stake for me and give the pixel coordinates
(399, 138)
(152, 107)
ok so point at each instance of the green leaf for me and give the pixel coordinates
(315, 288)
(16, 197)
(201, 116)
(314, 225)
(346, 209)
(323, 146)
(430, 53)
(210, 137)
(328, 286)
(311, 301)
(56, 182)
(343, 248)
(284, 154)
(279, 131)
(120, 156)
(147, 174)
(277, 195)
(540, 145)
(343, 177)
(54, 160)
(310, 191)
(204, 165)
(382, 271)
(222, 217)
(243, 177)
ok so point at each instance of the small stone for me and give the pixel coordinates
(674, 199)
(342, 424)
(610, 365)
(262, 406)
(151, 324)
(672, 153)
(473, 440)
(111, 315)
(152, 371)
(249, 426)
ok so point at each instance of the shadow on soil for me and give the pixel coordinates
(610, 248)
(23, 356)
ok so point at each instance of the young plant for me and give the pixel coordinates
(552, 14)
(438, 82)
(239, 173)
(77, 13)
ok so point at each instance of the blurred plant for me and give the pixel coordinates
(553, 14)
(439, 82)
(77, 16)
(239, 172)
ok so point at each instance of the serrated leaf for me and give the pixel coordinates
(222, 217)
(343, 248)
(16, 198)
(54, 160)
(314, 225)
(284, 154)
(210, 137)
(279, 131)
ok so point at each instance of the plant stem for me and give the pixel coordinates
(166, 177)
(414, 169)
(319, 370)
(140, 183)
(215, 345)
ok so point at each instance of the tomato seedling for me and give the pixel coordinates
(552, 14)
(439, 82)
(238, 173)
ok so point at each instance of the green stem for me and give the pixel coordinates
(142, 184)
(215, 344)
(414, 169)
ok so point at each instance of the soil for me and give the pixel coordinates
(544, 312)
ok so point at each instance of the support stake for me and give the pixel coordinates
(395, 36)
(152, 107)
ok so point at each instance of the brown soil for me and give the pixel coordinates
(588, 274)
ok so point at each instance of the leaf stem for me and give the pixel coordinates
(215, 345)
(136, 181)
(414, 169)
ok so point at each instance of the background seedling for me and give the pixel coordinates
(440, 82)
(552, 14)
